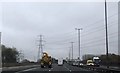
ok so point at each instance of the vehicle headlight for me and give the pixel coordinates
(49, 62)
(42, 63)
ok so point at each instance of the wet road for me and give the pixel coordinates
(65, 68)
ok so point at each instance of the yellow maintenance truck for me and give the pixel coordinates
(46, 61)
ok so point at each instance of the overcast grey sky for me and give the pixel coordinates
(56, 21)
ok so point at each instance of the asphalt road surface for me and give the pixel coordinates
(65, 68)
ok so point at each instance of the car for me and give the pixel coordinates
(90, 63)
(81, 64)
(73, 63)
(77, 63)
(96, 61)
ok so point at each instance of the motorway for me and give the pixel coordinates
(65, 68)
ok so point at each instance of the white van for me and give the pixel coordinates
(60, 61)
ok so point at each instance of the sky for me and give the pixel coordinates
(23, 22)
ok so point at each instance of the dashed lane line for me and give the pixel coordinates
(25, 70)
(67, 68)
(50, 69)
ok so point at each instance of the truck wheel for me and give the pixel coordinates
(42, 66)
(50, 66)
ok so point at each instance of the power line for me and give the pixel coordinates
(110, 36)
(90, 32)
(68, 34)
(96, 41)
(64, 42)
(99, 26)
(99, 21)
(71, 33)
(96, 44)
(83, 33)
(92, 40)
(98, 29)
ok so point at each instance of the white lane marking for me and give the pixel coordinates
(26, 70)
(29, 69)
(20, 66)
(68, 69)
(49, 70)
(0, 70)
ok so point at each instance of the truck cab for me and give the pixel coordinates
(46, 61)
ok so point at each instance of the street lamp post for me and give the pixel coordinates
(78, 39)
(72, 48)
(0, 53)
(106, 33)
